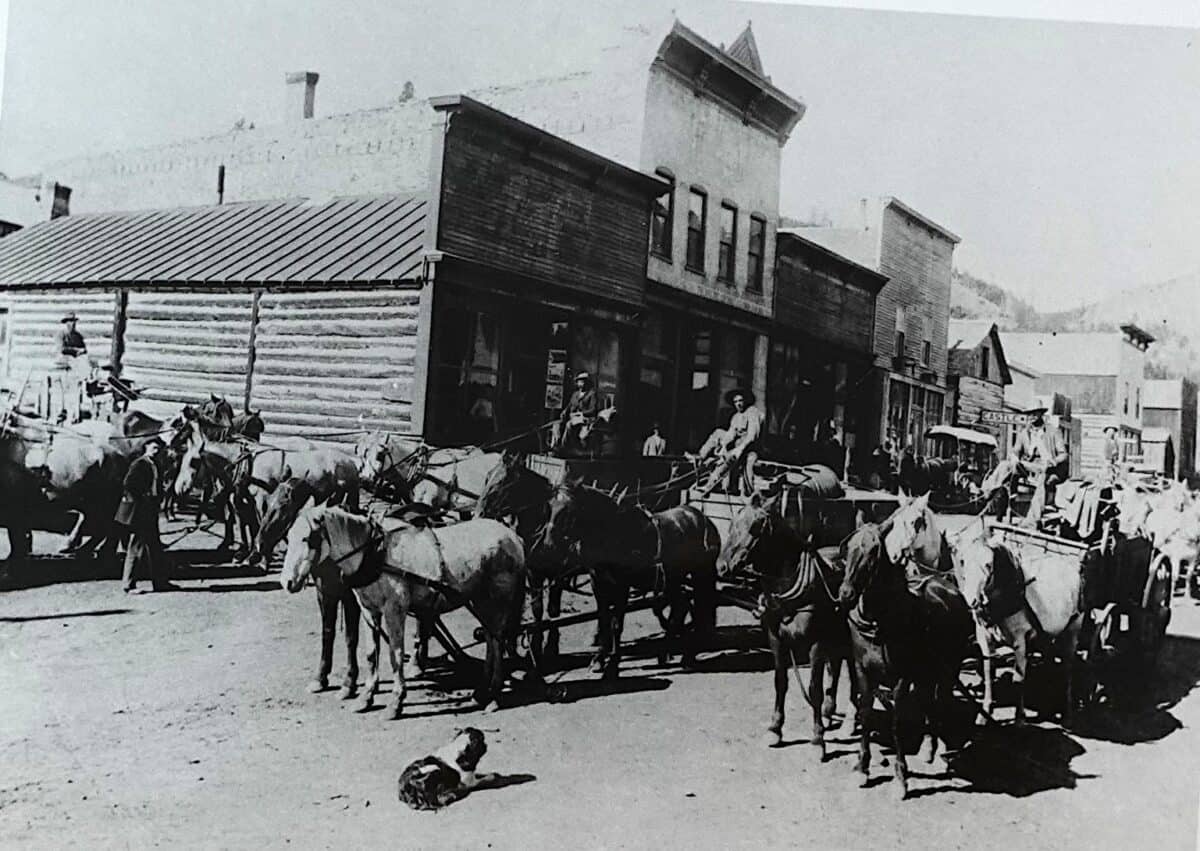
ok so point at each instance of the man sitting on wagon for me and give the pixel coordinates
(1042, 459)
(737, 446)
(579, 416)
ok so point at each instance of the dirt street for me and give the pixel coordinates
(182, 720)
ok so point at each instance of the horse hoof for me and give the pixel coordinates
(773, 739)
(317, 686)
(396, 711)
(611, 673)
(901, 792)
(556, 694)
(364, 706)
(347, 692)
(491, 707)
(861, 779)
(597, 666)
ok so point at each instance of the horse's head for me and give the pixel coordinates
(865, 552)
(191, 461)
(566, 515)
(750, 528)
(217, 411)
(306, 541)
(250, 425)
(912, 534)
(510, 489)
(283, 505)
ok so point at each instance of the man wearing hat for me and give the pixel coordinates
(580, 413)
(1112, 451)
(739, 450)
(1042, 457)
(73, 363)
(138, 512)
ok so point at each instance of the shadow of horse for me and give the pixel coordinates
(1014, 761)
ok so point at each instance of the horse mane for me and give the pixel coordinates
(508, 491)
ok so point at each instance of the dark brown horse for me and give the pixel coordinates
(520, 497)
(624, 547)
(800, 607)
(909, 635)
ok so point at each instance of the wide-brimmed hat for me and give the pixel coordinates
(740, 391)
(69, 316)
(1107, 429)
(1033, 412)
(582, 376)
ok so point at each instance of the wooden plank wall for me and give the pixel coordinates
(822, 305)
(34, 322)
(517, 209)
(976, 395)
(335, 360)
(182, 346)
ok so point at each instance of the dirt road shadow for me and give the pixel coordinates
(1017, 761)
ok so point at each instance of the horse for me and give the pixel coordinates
(386, 462)
(918, 476)
(283, 507)
(477, 563)
(406, 470)
(520, 497)
(911, 635)
(1013, 602)
(249, 471)
(801, 608)
(624, 546)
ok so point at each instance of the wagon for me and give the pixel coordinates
(1126, 597)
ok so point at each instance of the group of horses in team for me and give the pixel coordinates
(900, 601)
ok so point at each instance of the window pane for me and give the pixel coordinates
(728, 243)
(697, 213)
(754, 264)
(662, 222)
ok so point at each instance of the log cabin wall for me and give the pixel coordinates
(180, 346)
(335, 360)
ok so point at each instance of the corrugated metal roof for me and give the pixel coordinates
(266, 242)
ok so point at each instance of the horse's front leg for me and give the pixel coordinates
(535, 635)
(866, 697)
(612, 667)
(394, 616)
(1020, 670)
(351, 616)
(899, 698)
(833, 661)
(327, 604)
(987, 655)
(816, 685)
(782, 664)
(554, 595)
(604, 594)
(74, 536)
(374, 623)
(1070, 641)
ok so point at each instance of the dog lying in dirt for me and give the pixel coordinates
(434, 781)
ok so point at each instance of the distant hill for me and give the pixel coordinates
(1170, 311)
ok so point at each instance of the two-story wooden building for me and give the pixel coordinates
(978, 373)
(821, 344)
(911, 314)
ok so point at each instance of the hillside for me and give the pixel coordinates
(1169, 310)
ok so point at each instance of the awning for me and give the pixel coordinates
(353, 240)
(964, 434)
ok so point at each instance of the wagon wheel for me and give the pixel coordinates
(1155, 612)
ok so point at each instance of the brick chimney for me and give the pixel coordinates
(301, 92)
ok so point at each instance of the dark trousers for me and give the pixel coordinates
(145, 555)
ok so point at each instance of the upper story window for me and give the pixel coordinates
(697, 224)
(984, 357)
(926, 352)
(901, 328)
(1125, 406)
(758, 244)
(1137, 411)
(728, 247)
(662, 219)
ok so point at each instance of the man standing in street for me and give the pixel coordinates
(138, 512)
(1042, 456)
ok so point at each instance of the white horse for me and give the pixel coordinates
(1014, 600)
(478, 563)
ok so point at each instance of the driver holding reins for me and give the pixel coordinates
(1042, 458)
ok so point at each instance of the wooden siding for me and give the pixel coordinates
(975, 395)
(822, 306)
(324, 360)
(34, 322)
(917, 262)
(180, 346)
(514, 209)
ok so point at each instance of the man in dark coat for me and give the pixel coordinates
(579, 415)
(138, 512)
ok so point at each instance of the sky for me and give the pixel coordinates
(1063, 153)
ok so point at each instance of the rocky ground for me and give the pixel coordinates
(182, 719)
